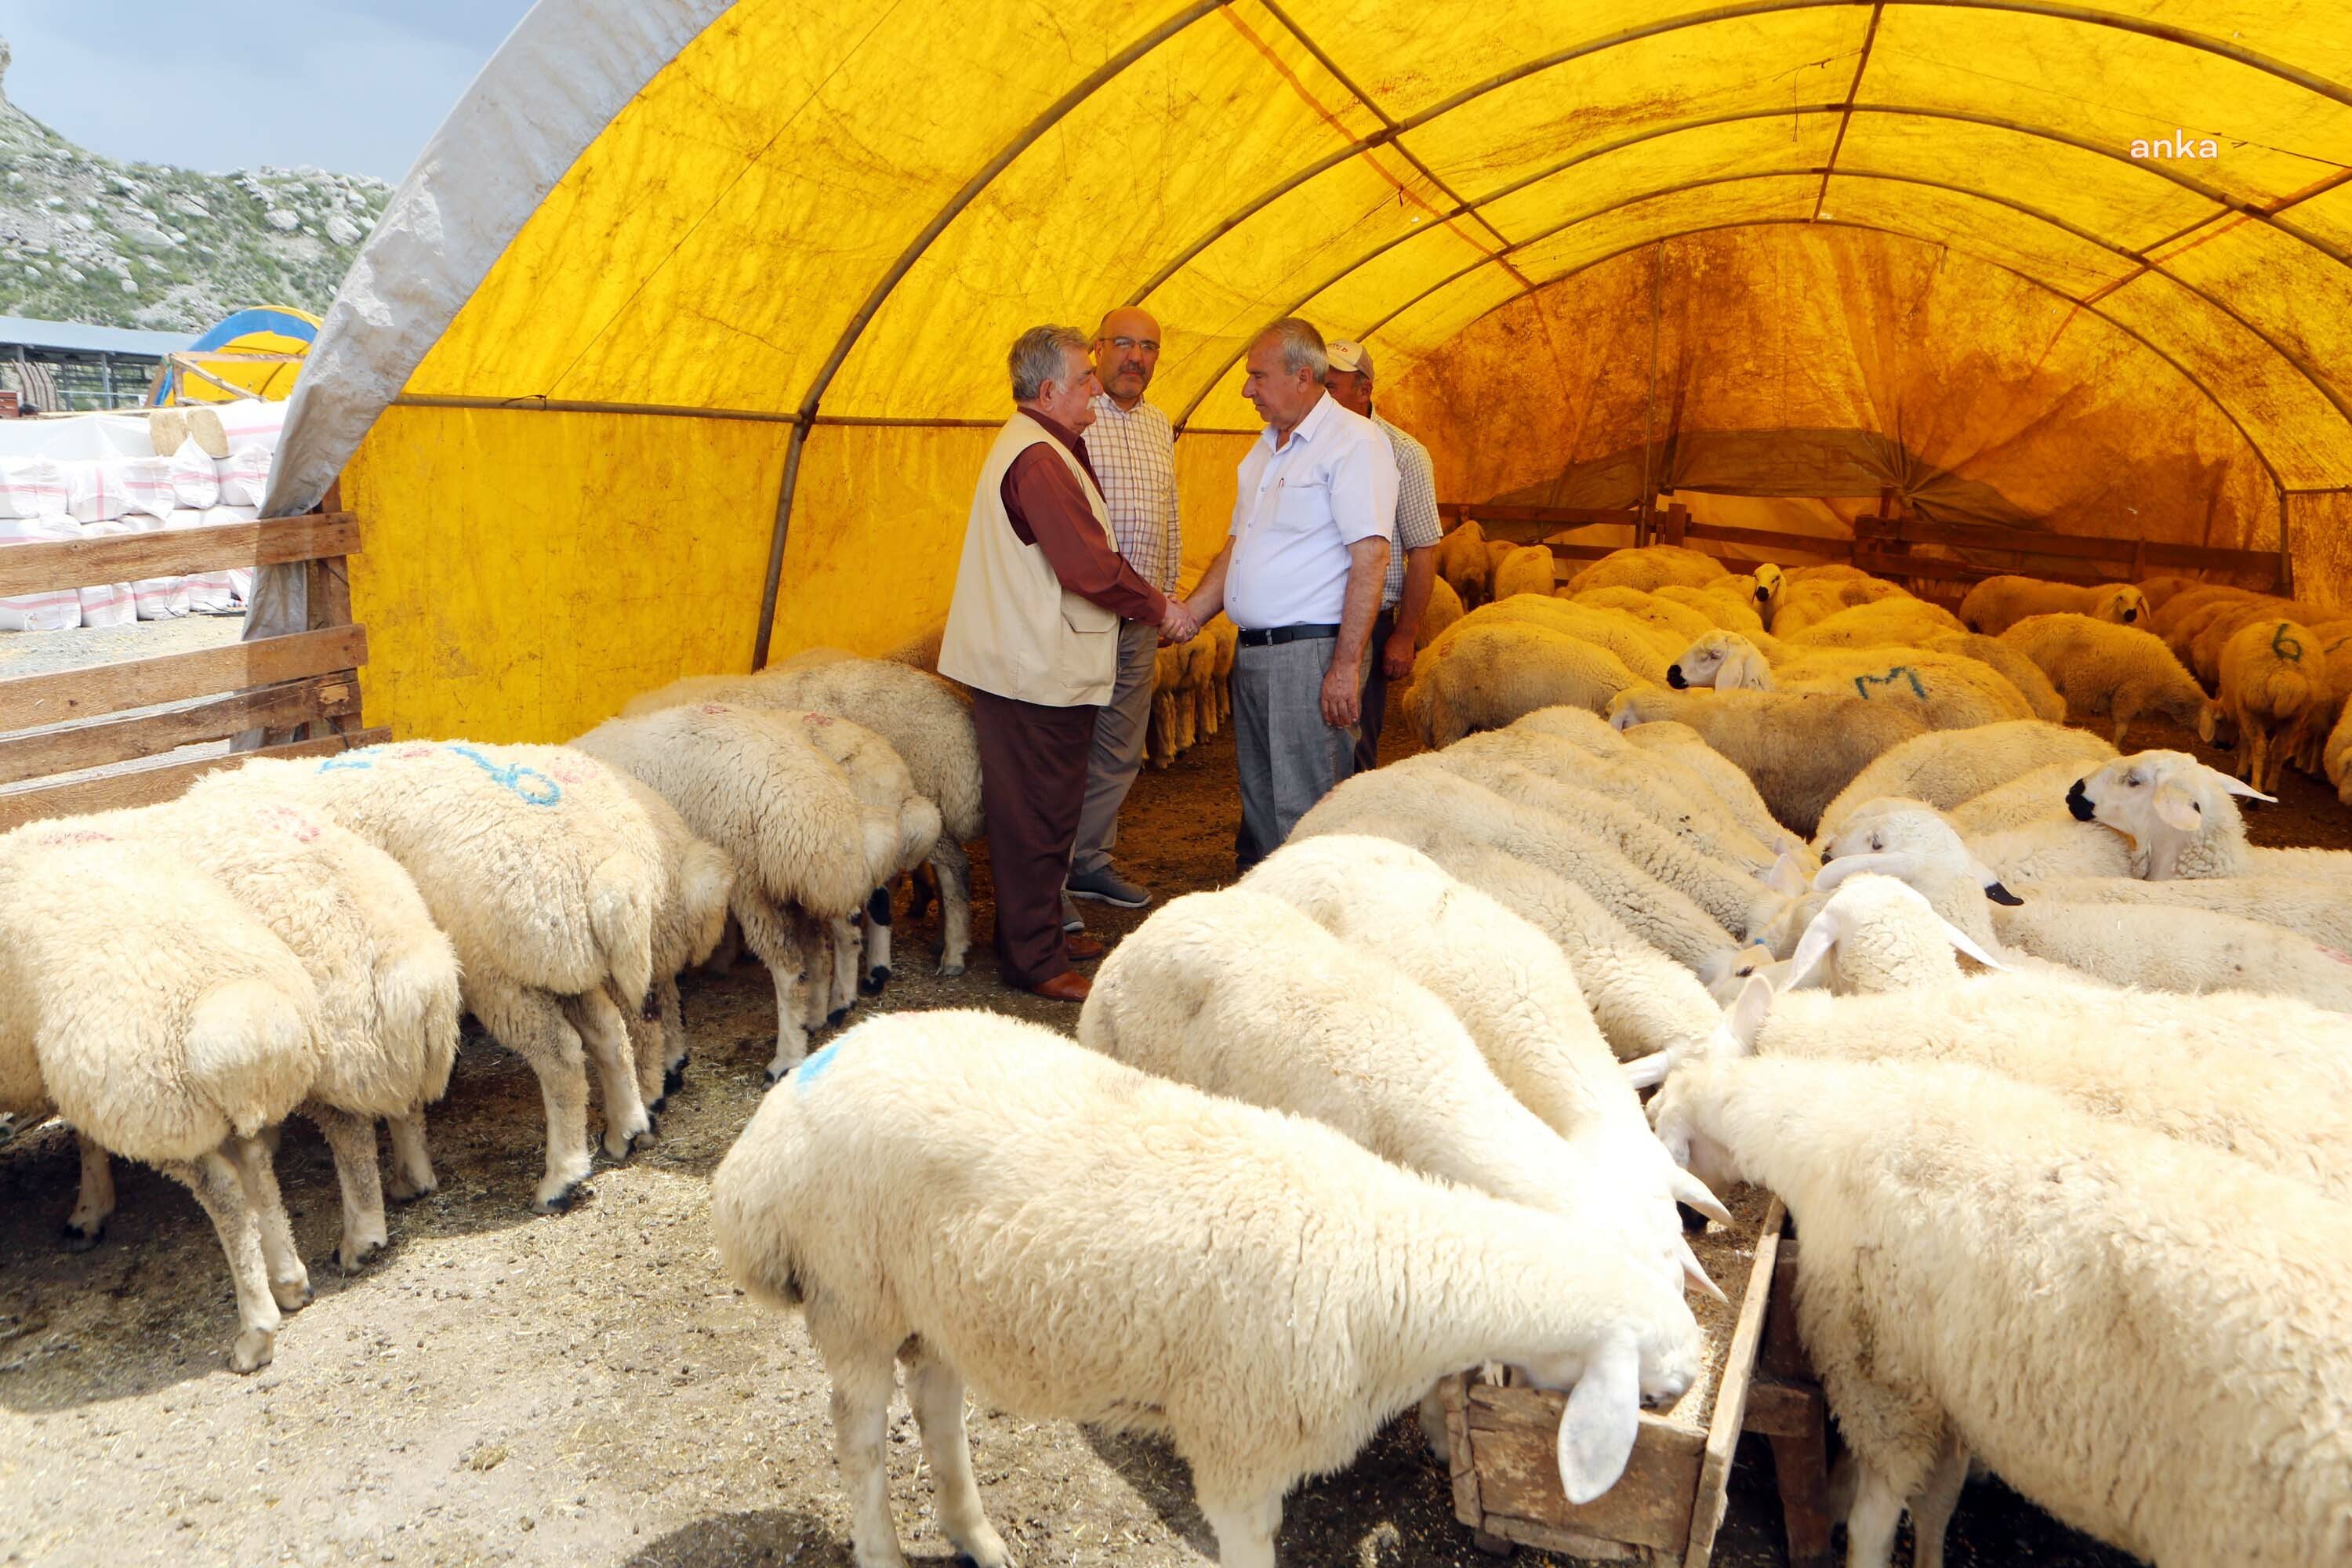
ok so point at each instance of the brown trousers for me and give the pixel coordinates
(1033, 781)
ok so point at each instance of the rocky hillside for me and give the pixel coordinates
(86, 238)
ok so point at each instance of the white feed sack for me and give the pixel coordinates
(107, 603)
(147, 487)
(97, 489)
(209, 593)
(31, 487)
(250, 422)
(245, 477)
(53, 610)
(157, 598)
(195, 478)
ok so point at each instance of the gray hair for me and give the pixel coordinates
(1302, 346)
(1039, 355)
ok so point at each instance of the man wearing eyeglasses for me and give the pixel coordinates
(1133, 449)
(1412, 561)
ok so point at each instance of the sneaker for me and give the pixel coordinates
(1106, 887)
(1072, 921)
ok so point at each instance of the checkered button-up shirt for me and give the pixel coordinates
(1134, 454)
(1417, 527)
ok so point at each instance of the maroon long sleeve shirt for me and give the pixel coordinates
(1048, 509)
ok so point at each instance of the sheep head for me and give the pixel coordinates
(1914, 840)
(2161, 801)
(1880, 926)
(1770, 581)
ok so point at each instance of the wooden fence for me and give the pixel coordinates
(1884, 546)
(72, 741)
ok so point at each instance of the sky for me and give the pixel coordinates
(356, 85)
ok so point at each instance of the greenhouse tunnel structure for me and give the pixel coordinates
(680, 346)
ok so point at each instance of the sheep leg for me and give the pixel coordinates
(1870, 1524)
(770, 938)
(2258, 741)
(1246, 1528)
(1931, 1509)
(351, 1140)
(658, 1045)
(878, 943)
(814, 940)
(645, 1054)
(412, 1166)
(953, 867)
(730, 948)
(531, 1025)
(1433, 1427)
(673, 1023)
(94, 1203)
(861, 1435)
(936, 1391)
(847, 946)
(290, 1282)
(214, 1182)
(606, 1033)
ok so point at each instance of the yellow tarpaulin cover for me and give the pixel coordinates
(729, 263)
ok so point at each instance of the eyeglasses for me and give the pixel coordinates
(1129, 345)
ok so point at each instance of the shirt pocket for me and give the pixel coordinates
(1300, 505)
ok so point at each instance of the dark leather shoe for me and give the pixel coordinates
(1066, 987)
(1080, 948)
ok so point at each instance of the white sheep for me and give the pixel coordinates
(1483, 677)
(1951, 691)
(925, 720)
(2033, 797)
(752, 781)
(169, 1025)
(2019, 671)
(2337, 757)
(1667, 920)
(2118, 671)
(1946, 767)
(690, 917)
(545, 875)
(1648, 568)
(1800, 748)
(1989, 1272)
(1088, 1243)
(1528, 569)
(1644, 1001)
(2183, 817)
(1997, 604)
(1620, 634)
(1687, 751)
(1891, 618)
(386, 976)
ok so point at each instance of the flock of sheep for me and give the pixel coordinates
(2051, 1066)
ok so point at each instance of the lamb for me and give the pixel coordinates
(168, 1025)
(2116, 671)
(689, 917)
(1526, 570)
(1989, 1272)
(1278, 1293)
(1490, 675)
(1690, 867)
(1620, 633)
(1687, 749)
(2270, 676)
(1801, 748)
(2180, 815)
(752, 781)
(2159, 591)
(1664, 917)
(1644, 1001)
(2033, 798)
(545, 876)
(2178, 949)
(386, 978)
(1809, 600)
(1946, 767)
(1240, 993)
(1997, 604)
(925, 720)
(2204, 655)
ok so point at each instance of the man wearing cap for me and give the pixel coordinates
(1300, 575)
(1033, 630)
(1412, 557)
(1133, 450)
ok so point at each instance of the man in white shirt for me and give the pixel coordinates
(1300, 576)
(1412, 558)
(1133, 449)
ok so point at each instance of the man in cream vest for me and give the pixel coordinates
(1034, 631)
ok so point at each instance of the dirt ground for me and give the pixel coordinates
(589, 1389)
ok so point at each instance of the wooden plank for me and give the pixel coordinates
(127, 557)
(1457, 1432)
(2211, 557)
(32, 700)
(1572, 1543)
(1991, 536)
(1779, 1409)
(1555, 515)
(1513, 1435)
(145, 786)
(44, 753)
(1731, 1401)
(1769, 539)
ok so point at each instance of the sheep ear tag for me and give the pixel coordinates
(2178, 809)
(1603, 1418)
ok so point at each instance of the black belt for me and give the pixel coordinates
(1268, 635)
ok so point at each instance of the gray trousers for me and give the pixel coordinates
(1118, 754)
(1287, 757)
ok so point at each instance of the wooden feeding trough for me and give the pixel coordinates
(1669, 1502)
